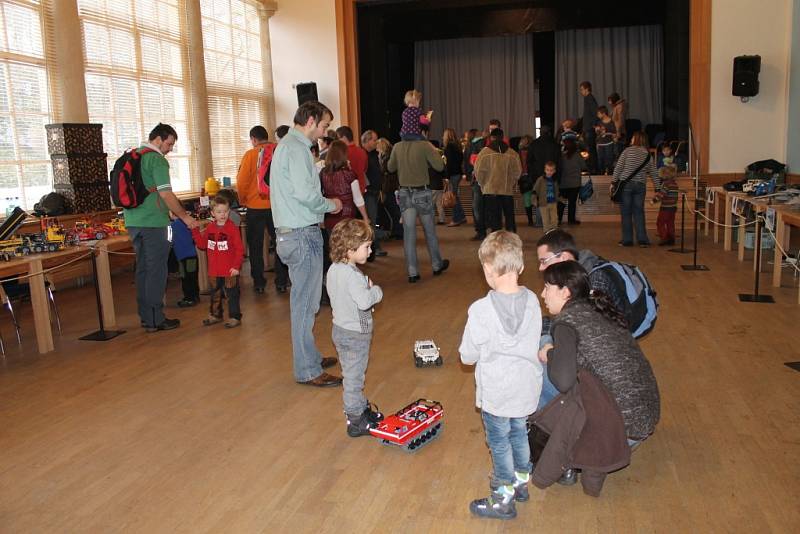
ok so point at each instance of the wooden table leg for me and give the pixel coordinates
(728, 231)
(780, 242)
(742, 233)
(104, 286)
(41, 308)
(202, 271)
(716, 217)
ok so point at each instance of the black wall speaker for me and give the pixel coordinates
(306, 92)
(745, 75)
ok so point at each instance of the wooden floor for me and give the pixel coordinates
(203, 429)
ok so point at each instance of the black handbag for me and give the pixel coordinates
(616, 186)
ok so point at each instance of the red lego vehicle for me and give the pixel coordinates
(87, 231)
(413, 426)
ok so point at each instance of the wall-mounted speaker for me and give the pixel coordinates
(306, 92)
(745, 75)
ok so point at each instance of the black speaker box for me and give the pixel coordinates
(306, 92)
(745, 75)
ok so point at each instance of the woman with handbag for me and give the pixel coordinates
(629, 187)
(454, 157)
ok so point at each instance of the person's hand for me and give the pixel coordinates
(234, 272)
(190, 221)
(369, 282)
(543, 352)
(337, 203)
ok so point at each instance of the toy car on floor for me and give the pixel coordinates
(411, 427)
(426, 353)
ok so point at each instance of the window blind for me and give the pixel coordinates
(25, 171)
(136, 62)
(237, 90)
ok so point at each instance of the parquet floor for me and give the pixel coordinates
(203, 429)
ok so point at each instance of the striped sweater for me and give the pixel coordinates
(668, 194)
(630, 160)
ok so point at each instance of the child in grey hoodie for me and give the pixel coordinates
(501, 338)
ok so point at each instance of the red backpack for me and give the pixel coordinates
(127, 187)
(264, 163)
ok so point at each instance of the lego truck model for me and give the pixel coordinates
(411, 427)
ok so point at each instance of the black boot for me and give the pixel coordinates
(529, 214)
(358, 425)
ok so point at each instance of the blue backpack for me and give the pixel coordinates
(641, 304)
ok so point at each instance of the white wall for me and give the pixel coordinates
(793, 134)
(303, 41)
(741, 133)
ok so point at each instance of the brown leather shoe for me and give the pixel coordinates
(328, 362)
(324, 380)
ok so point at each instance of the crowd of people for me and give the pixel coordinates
(319, 196)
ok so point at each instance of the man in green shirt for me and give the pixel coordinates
(148, 228)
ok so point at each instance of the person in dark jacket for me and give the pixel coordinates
(455, 159)
(543, 149)
(588, 121)
(590, 333)
(569, 179)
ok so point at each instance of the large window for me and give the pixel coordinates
(136, 64)
(237, 96)
(25, 171)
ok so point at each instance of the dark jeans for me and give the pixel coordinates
(571, 194)
(477, 209)
(458, 210)
(497, 208)
(258, 221)
(152, 253)
(189, 280)
(632, 210)
(589, 139)
(225, 287)
(371, 205)
(393, 210)
(605, 159)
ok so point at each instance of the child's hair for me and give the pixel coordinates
(412, 96)
(503, 251)
(551, 164)
(222, 199)
(666, 146)
(336, 157)
(347, 235)
(667, 172)
(602, 109)
(573, 276)
(525, 141)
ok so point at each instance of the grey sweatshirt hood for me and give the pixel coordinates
(510, 309)
(587, 259)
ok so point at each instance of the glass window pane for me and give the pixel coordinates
(24, 30)
(9, 180)
(6, 140)
(34, 175)
(31, 137)
(98, 95)
(3, 88)
(96, 44)
(29, 87)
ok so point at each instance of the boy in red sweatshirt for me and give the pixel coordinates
(223, 245)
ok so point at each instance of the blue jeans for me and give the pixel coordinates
(151, 246)
(632, 209)
(549, 391)
(477, 209)
(507, 438)
(418, 203)
(458, 210)
(301, 250)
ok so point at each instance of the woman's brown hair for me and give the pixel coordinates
(639, 139)
(336, 158)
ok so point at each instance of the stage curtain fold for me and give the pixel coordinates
(627, 60)
(467, 82)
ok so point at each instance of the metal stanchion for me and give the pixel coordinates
(683, 227)
(102, 334)
(694, 266)
(755, 297)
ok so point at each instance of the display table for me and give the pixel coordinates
(785, 218)
(35, 264)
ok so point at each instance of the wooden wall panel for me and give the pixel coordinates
(700, 77)
(347, 55)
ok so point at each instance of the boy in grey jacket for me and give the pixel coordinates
(352, 296)
(501, 339)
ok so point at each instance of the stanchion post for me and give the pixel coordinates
(694, 266)
(683, 227)
(102, 334)
(755, 297)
